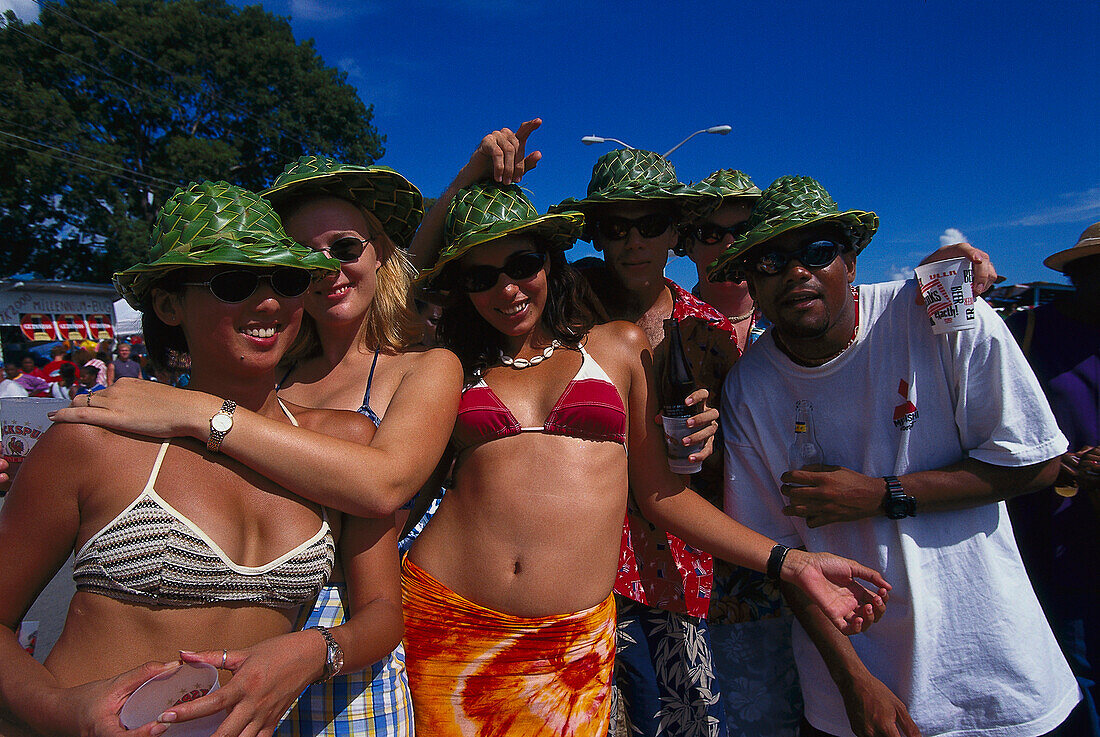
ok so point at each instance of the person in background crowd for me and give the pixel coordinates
(123, 366)
(65, 387)
(1057, 528)
(9, 388)
(89, 380)
(429, 316)
(51, 371)
(923, 437)
(31, 383)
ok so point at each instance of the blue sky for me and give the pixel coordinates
(983, 117)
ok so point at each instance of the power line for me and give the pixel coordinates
(92, 159)
(240, 109)
(119, 175)
(172, 102)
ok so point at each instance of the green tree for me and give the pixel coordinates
(106, 107)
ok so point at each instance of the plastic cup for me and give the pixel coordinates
(188, 682)
(948, 291)
(23, 420)
(676, 429)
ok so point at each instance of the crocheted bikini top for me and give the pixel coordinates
(153, 554)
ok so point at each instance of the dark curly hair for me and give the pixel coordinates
(568, 316)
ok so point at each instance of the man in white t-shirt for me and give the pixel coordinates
(923, 436)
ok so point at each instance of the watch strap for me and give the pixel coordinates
(775, 561)
(214, 442)
(897, 504)
(334, 654)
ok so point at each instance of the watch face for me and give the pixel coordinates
(221, 422)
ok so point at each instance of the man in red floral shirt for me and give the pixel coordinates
(664, 668)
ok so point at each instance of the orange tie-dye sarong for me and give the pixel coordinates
(476, 672)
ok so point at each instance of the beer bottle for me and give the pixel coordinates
(677, 385)
(804, 450)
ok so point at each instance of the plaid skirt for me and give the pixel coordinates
(370, 702)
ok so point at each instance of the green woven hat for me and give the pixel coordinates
(729, 184)
(215, 224)
(380, 190)
(486, 211)
(787, 204)
(633, 175)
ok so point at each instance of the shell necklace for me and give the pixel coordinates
(535, 360)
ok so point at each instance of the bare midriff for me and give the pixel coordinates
(533, 525)
(104, 637)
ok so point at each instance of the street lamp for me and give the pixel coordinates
(719, 129)
(589, 140)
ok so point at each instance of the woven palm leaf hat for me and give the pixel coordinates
(215, 224)
(380, 190)
(634, 175)
(787, 204)
(729, 184)
(486, 211)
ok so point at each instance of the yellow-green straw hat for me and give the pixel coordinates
(486, 211)
(380, 190)
(787, 204)
(215, 224)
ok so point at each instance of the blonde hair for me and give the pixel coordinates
(390, 324)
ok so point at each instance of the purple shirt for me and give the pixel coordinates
(32, 384)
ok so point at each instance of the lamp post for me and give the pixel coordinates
(589, 140)
(719, 129)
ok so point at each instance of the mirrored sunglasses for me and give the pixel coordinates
(238, 285)
(816, 255)
(615, 228)
(518, 266)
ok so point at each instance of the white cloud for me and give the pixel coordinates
(952, 235)
(899, 273)
(1074, 207)
(25, 10)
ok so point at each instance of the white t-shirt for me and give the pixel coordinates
(963, 642)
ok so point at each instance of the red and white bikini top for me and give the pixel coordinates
(590, 409)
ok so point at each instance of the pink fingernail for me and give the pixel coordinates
(158, 729)
(168, 716)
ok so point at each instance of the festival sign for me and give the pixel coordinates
(72, 327)
(100, 327)
(37, 326)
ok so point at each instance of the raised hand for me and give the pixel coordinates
(503, 155)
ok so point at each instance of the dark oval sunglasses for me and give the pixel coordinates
(615, 228)
(816, 255)
(237, 285)
(346, 249)
(710, 233)
(518, 266)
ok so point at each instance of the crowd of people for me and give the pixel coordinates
(74, 369)
(417, 480)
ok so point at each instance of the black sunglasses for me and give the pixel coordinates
(346, 249)
(816, 255)
(710, 233)
(518, 266)
(239, 284)
(614, 228)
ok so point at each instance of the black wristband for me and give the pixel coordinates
(775, 560)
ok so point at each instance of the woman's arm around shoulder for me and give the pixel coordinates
(360, 479)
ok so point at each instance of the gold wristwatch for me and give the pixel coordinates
(220, 425)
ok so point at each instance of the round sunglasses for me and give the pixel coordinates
(346, 249)
(615, 228)
(816, 255)
(518, 266)
(237, 285)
